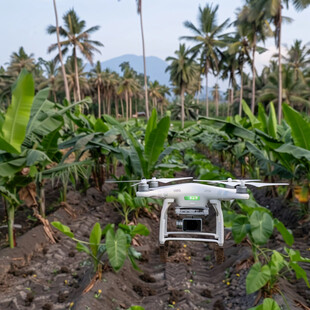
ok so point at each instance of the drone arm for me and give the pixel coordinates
(157, 193)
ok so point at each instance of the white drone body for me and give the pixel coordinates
(192, 200)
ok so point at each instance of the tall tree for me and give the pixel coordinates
(20, 60)
(51, 70)
(128, 86)
(60, 54)
(216, 97)
(96, 74)
(273, 9)
(183, 70)
(298, 58)
(75, 35)
(257, 30)
(139, 8)
(207, 36)
(155, 93)
(239, 45)
(229, 66)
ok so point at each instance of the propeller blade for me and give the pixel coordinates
(229, 182)
(266, 184)
(168, 180)
(127, 181)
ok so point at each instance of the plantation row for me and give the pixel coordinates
(42, 140)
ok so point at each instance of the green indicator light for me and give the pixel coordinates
(191, 197)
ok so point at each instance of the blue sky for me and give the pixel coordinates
(24, 22)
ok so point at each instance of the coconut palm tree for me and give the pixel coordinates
(298, 58)
(51, 71)
(96, 76)
(273, 9)
(207, 36)
(139, 9)
(216, 97)
(20, 60)
(183, 70)
(70, 67)
(128, 86)
(294, 91)
(60, 55)
(155, 93)
(257, 30)
(77, 37)
(110, 83)
(239, 45)
(229, 66)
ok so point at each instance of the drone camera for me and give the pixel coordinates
(190, 224)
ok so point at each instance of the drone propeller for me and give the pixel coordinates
(234, 183)
(162, 180)
(125, 181)
(265, 184)
(229, 182)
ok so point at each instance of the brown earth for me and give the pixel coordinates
(40, 275)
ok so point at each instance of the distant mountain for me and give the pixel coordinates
(155, 67)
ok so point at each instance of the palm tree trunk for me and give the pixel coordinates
(254, 75)
(280, 68)
(130, 107)
(109, 105)
(126, 99)
(144, 62)
(216, 103)
(76, 75)
(60, 56)
(116, 107)
(122, 106)
(241, 89)
(99, 101)
(182, 106)
(207, 97)
(232, 100)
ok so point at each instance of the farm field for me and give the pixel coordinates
(155, 182)
(194, 275)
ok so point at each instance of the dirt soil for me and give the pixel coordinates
(40, 275)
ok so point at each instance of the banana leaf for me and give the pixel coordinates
(272, 121)
(155, 143)
(295, 151)
(299, 126)
(254, 121)
(18, 113)
(151, 125)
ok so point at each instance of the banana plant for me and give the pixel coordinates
(117, 244)
(142, 158)
(98, 140)
(12, 135)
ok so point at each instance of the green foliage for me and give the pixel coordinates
(143, 159)
(268, 304)
(18, 114)
(117, 244)
(126, 204)
(256, 222)
(257, 277)
(267, 275)
(299, 126)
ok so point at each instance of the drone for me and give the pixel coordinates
(193, 200)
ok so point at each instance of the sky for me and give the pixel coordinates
(24, 23)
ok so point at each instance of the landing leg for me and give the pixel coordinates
(219, 221)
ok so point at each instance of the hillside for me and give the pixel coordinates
(155, 66)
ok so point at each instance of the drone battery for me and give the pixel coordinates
(192, 224)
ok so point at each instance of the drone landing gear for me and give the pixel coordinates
(165, 235)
